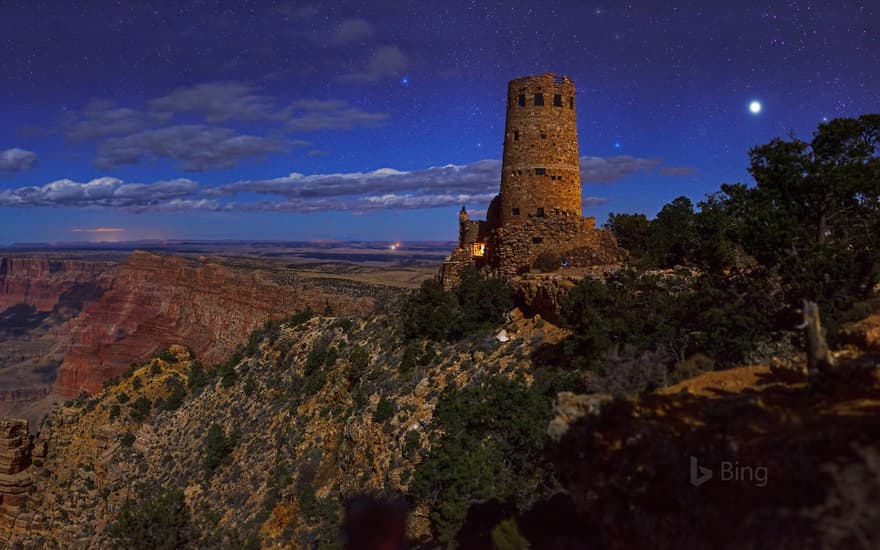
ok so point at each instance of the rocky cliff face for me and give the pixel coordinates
(39, 296)
(46, 283)
(156, 301)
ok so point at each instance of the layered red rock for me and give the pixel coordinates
(40, 282)
(15, 480)
(156, 301)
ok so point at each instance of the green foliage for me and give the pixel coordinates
(176, 397)
(226, 371)
(673, 237)
(300, 317)
(140, 408)
(321, 511)
(385, 410)
(506, 536)
(250, 386)
(359, 359)
(197, 378)
(218, 446)
(122, 397)
(162, 523)
(491, 449)
(631, 232)
(412, 443)
(166, 356)
(127, 439)
(361, 396)
(477, 303)
(114, 411)
(110, 382)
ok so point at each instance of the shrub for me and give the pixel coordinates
(217, 448)
(114, 411)
(166, 356)
(162, 523)
(300, 317)
(127, 439)
(226, 371)
(175, 398)
(140, 409)
(122, 397)
(385, 410)
(491, 449)
(197, 378)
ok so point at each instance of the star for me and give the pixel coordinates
(755, 107)
(404, 81)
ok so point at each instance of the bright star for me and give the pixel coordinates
(404, 81)
(755, 107)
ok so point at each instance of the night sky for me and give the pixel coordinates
(378, 120)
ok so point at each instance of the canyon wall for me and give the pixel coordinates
(156, 301)
(44, 283)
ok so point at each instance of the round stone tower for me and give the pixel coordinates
(541, 166)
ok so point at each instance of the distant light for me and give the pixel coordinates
(617, 145)
(755, 107)
(404, 81)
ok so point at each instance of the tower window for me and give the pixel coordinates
(543, 136)
(553, 178)
(516, 211)
(557, 100)
(522, 100)
(540, 213)
(540, 171)
(537, 240)
(571, 103)
(516, 135)
(539, 100)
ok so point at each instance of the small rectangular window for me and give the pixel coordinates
(571, 103)
(516, 135)
(540, 213)
(539, 99)
(516, 211)
(557, 100)
(521, 100)
(553, 178)
(543, 136)
(540, 171)
(537, 240)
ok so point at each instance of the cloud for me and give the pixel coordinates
(100, 118)
(17, 160)
(103, 192)
(386, 61)
(197, 147)
(98, 230)
(612, 169)
(352, 30)
(481, 177)
(473, 184)
(313, 115)
(217, 102)
(677, 171)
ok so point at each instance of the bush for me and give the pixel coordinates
(434, 314)
(166, 356)
(162, 523)
(197, 378)
(114, 411)
(176, 397)
(140, 409)
(385, 411)
(122, 397)
(226, 371)
(127, 439)
(491, 449)
(217, 448)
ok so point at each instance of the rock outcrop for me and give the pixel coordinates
(45, 282)
(15, 479)
(156, 301)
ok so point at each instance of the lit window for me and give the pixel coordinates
(478, 249)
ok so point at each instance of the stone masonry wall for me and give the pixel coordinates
(541, 167)
(514, 248)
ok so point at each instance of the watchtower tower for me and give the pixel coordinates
(541, 167)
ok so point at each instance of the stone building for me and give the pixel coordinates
(538, 211)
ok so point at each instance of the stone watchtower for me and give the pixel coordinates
(541, 166)
(537, 214)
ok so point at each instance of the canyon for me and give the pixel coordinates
(69, 324)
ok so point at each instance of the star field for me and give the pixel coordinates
(252, 119)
